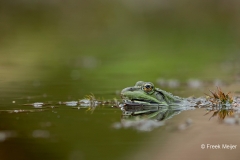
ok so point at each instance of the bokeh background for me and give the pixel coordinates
(64, 50)
(111, 44)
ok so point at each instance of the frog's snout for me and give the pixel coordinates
(126, 91)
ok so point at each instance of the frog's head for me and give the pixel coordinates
(142, 91)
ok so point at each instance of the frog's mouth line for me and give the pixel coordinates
(136, 99)
(141, 100)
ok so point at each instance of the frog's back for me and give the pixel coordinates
(169, 97)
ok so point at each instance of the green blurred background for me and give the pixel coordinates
(67, 49)
(112, 44)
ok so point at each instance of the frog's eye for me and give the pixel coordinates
(148, 87)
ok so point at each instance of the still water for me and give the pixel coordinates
(58, 131)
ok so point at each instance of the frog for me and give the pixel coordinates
(146, 93)
(145, 99)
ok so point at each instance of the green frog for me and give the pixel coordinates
(146, 93)
(144, 99)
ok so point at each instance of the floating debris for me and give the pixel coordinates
(116, 103)
(85, 103)
(236, 104)
(221, 104)
(22, 110)
(71, 103)
(37, 104)
(198, 102)
(92, 102)
(219, 98)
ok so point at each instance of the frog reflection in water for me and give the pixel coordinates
(144, 98)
